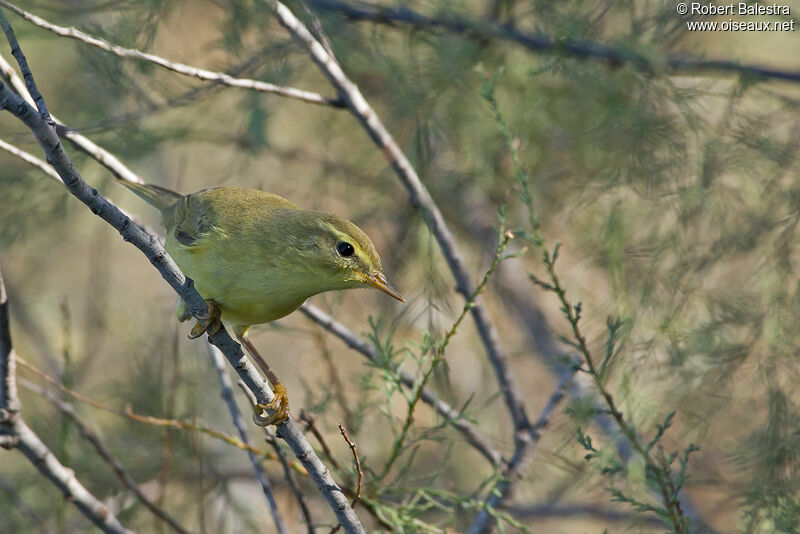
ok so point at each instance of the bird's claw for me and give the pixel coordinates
(279, 406)
(209, 323)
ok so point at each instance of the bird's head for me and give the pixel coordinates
(342, 255)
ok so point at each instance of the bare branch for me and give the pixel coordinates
(180, 68)
(150, 420)
(357, 464)
(92, 437)
(481, 30)
(30, 159)
(452, 416)
(270, 438)
(420, 198)
(64, 478)
(46, 135)
(25, 440)
(526, 443)
(218, 362)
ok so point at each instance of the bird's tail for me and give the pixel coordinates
(157, 196)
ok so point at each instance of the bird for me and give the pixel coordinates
(256, 257)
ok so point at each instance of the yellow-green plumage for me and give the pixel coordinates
(257, 255)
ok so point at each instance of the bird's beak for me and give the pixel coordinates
(379, 281)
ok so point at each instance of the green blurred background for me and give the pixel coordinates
(675, 197)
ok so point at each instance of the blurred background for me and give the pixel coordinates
(674, 196)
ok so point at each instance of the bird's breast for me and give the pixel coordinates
(249, 288)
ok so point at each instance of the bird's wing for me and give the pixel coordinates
(191, 222)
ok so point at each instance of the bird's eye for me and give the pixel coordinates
(345, 249)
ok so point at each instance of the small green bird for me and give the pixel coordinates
(256, 257)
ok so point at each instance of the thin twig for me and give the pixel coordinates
(360, 473)
(310, 419)
(483, 30)
(180, 68)
(357, 462)
(45, 133)
(438, 350)
(218, 362)
(333, 376)
(92, 437)
(30, 159)
(150, 420)
(420, 198)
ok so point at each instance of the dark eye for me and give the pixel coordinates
(345, 249)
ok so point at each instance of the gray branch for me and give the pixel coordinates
(420, 198)
(92, 437)
(180, 68)
(218, 362)
(64, 478)
(18, 435)
(44, 130)
(472, 435)
(526, 443)
(482, 30)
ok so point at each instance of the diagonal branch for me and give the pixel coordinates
(64, 478)
(218, 362)
(501, 491)
(338, 329)
(30, 159)
(46, 135)
(482, 30)
(451, 415)
(92, 437)
(420, 198)
(180, 68)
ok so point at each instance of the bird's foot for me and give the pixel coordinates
(209, 323)
(279, 406)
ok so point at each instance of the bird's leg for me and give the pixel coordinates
(208, 323)
(278, 405)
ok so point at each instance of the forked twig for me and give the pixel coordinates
(357, 496)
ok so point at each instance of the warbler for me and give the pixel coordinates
(256, 257)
